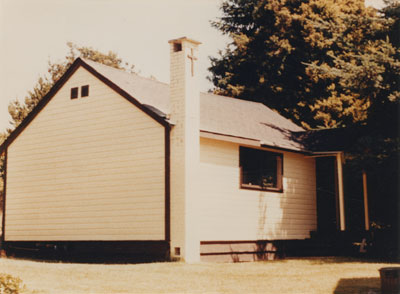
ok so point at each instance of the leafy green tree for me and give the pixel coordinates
(321, 63)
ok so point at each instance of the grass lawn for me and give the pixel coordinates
(315, 275)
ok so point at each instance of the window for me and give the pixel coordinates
(74, 93)
(85, 91)
(260, 169)
(177, 47)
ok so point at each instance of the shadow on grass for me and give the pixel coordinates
(331, 260)
(358, 286)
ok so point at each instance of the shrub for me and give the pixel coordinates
(10, 284)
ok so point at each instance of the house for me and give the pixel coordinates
(111, 159)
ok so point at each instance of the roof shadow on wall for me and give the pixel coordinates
(358, 286)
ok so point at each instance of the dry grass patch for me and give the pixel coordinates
(322, 275)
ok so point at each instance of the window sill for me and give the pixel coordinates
(259, 188)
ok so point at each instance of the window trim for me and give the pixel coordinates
(279, 174)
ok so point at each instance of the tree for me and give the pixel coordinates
(392, 10)
(321, 63)
(364, 73)
(324, 64)
(19, 111)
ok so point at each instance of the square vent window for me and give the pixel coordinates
(177, 47)
(85, 91)
(74, 93)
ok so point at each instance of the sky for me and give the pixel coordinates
(34, 32)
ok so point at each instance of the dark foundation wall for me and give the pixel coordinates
(91, 251)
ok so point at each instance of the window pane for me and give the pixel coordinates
(259, 168)
(85, 91)
(268, 173)
(74, 93)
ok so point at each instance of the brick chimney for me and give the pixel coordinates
(185, 148)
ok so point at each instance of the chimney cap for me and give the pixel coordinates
(180, 41)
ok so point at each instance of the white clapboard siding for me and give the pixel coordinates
(229, 213)
(91, 168)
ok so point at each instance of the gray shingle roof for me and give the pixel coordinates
(218, 114)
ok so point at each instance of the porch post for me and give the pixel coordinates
(341, 193)
(365, 189)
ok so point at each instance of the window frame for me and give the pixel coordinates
(279, 172)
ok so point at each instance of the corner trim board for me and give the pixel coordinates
(3, 222)
(167, 184)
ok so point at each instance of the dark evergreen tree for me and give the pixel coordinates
(321, 63)
(324, 64)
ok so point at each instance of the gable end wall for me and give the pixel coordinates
(91, 168)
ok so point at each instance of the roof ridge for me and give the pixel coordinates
(167, 84)
(235, 98)
(86, 60)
